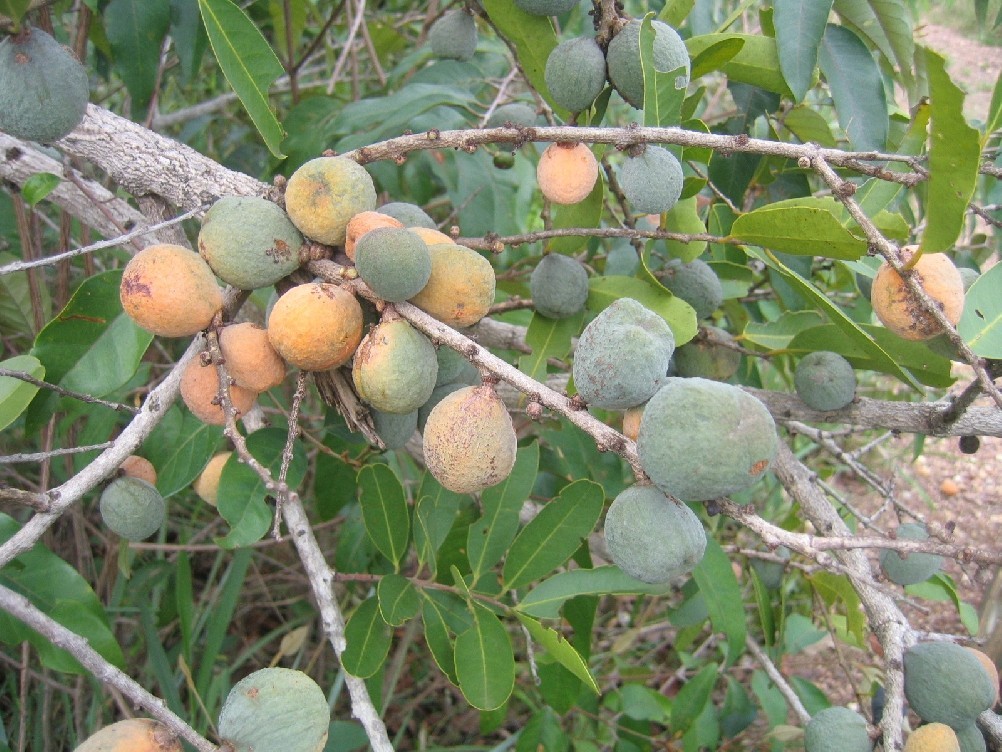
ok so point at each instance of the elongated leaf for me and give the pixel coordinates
(367, 640)
(179, 448)
(16, 315)
(834, 587)
(776, 334)
(756, 63)
(809, 125)
(888, 25)
(38, 186)
(941, 587)
(994, 121)
(664, 91)
(436, 635)
(560, 649)
(248, 62)
(14, 9)
(604, 291)
(550, 539)
(715, 56)
(188, 33)
(799, 28)
(136, 31)
(384, 510)
(545, 600)
(856, 86)
(15, 394)
(981, 323)
(692, 698)
(722, 593)
(485, 662)
(954, 158)
(548, 338)
(586, 213)
(399, 601)
(434, 516)
(802, 226)
(676, 11)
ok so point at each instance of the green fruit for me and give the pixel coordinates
(395, 368)
(395, 430)
(623, 59)
(575, 73)
(559, 286)
(43, 88)
(132, 508)
(249, 242)
(652, 181)
(968, 275)
(913, 567)
(324, 194)
(410, 215)
(438, 394)
(454, 35)
(837, 729)
(696, 283)
(971, 739)
(825, 380)
(652, 537)
(394, 262)
(622, 356)
(546, 7)
(702, 439)
(708, 357)
(946, 683)
(275, 709)
(515, 113)
(454, 368)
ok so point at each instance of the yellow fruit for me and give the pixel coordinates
(170, 291)
(316, 326)
(200, 390)
(933, 737)
(993, 672)
(631, 421)
(460, 290)
(325, 193)
(900, 310)
(431, 236)
(361, 223)
(135, 466)
(250, 359)
(132, 735)
(567, 172)
(207, 484)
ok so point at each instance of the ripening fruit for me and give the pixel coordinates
(454, 35)
(206, 485)
(132, 735)
(410, 215)
(431, 236)
(200, 392)
(515, 113)
(933, 737)
(132, 508)
(825, 380)
(455, 368)
(990, 668)
(316, 326)
(250, 359)
(575, 73)
(393, 262)
(460, 290)
(395, 368)
(559, 286)
(135, 466)
(623, 59)
(837, 729)
(277, 709)
(652, 537)
(170, 291)
(651, 181)
(361, 223)
(971, 739)
(566, 172)
(914, 566)
(709, 357)
(696, 283)
(546, 7)
(43, 87)
(946, 683)
(325, 193)
(900, 310)
(469, 440)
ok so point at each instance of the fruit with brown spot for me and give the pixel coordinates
(460, 290)
(325, 193)
(316, 326)
(132, 735)
(135, 466)
(395, 368)
(900, 310)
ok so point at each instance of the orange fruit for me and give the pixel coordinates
(567, 172)
(900, 310)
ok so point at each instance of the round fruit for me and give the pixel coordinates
(454, 35)
(460, 290)
(362, 223)
(132, 735)
(316, 326)
(469, 440)
(971, 739)
(566, 172)
(395, 368)
(559, 286)
(622, 356)
(454, 368)
(933, 737)
(515, 113)
(623, 59)
(393, 262)
(250, 359)
(135, 466)
(701, 439)
(207, 483)
(946, 683)
(249, 242)
(969, 276)
(200, 392)
(132, 508)
(913, 567)
(575, 73)
(837, 729)
(325, 193)
(825, 380)
(43, 88)
(431, 236)
(410, 215)
(652, 537)
(696, 283)
(168, 290)
(900, 310)
(651, 181)
(275, 709)
(546, 7)
(709, 356)
(990, 668)
(438, 394)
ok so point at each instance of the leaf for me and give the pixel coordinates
(248, 62)
(16, 310)
(756, 63)
(14, 9)
(544, 600)
(715, 56)
(664, 91)
(548, 338)
(684, 217)
(777, 334)
(692, 698)
(722, 593)
(675, 11)
(179, 448)
(552, 537)
(888, 25)
(834, 587)
(809, 125)
(585, 213)
(799, 28)
(801, 226)
(436, 635)
(38, 186)
(485, 662)
(981, 323)
(188, 33)
(367, 640)
(136, 31)
(384, 510)
(994, 121)
(954, 159)
(15, 394)
(491, 535)
(434, 516)
(604, 291)
(856, 86)
(398, 599)
(941, 587)
(560, 650)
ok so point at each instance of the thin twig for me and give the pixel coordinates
(778, 679)
(28, 378)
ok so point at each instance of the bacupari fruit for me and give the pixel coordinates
(409, 215)
(454, 35)
(394, 262)
(825, 380)
(696, 283)
(651, 181)
(362, 223)
(946, 683)
(566, 172)
(316, 326)
(200, 394)
(206, 486)
(901, 311)
(911, 567)
(623, 59)
(512, 114)
(460, 290)
(837, 729)
(559, 286)
(135, 466)
(249, 358)
(132, 735)
(933, 737)
(575, 73)
(325, 193)
(546, 7)
(712, 355)
(132, 508)
(394, 430)
(395, 368)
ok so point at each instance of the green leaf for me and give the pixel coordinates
(434, 516)
(954, 159)
(809, 125)
(16, 310)
(715, 56)
(399, 601)
(248, 62)
(491, 535)
(485, 662)
(663, 96)
(367, 640)
(548, 338)
(384, 510)
(832, 587)
(179, 448)
(544, 600)
(604, 291)
(684, 217)
(543, 731)
(941, 587)
(756, 63)
(856, 86)
(188, 33)
(38, 186)
(14, 9)
(553, 536)
(15, 394)
(800, 226)
(692, 698)
(436, 635)
(994, 121)
(799, 28)
(586, 213)
(560, 650)
(981, 323)
(136, 31)
(888, 26)
(777, 334)
(722, 593)
(676, 11)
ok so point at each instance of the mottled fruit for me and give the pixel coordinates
(946, 683)
(566, 172)
(250, 359)
(395, 368)
(454, 35)
(200, 393)
(837, 729)
(651, 181)
(513, 113)
(325, 193)
(900, 310)
(825, 380)
(623, 59)
(132, 508)
(393, 262)
(696, 283)
(316, 326)
(559, 286)
(712, 355)
(575, 73)
(132, 735)
(460, 290)
(207, 483)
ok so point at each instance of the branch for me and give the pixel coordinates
(779, 680)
